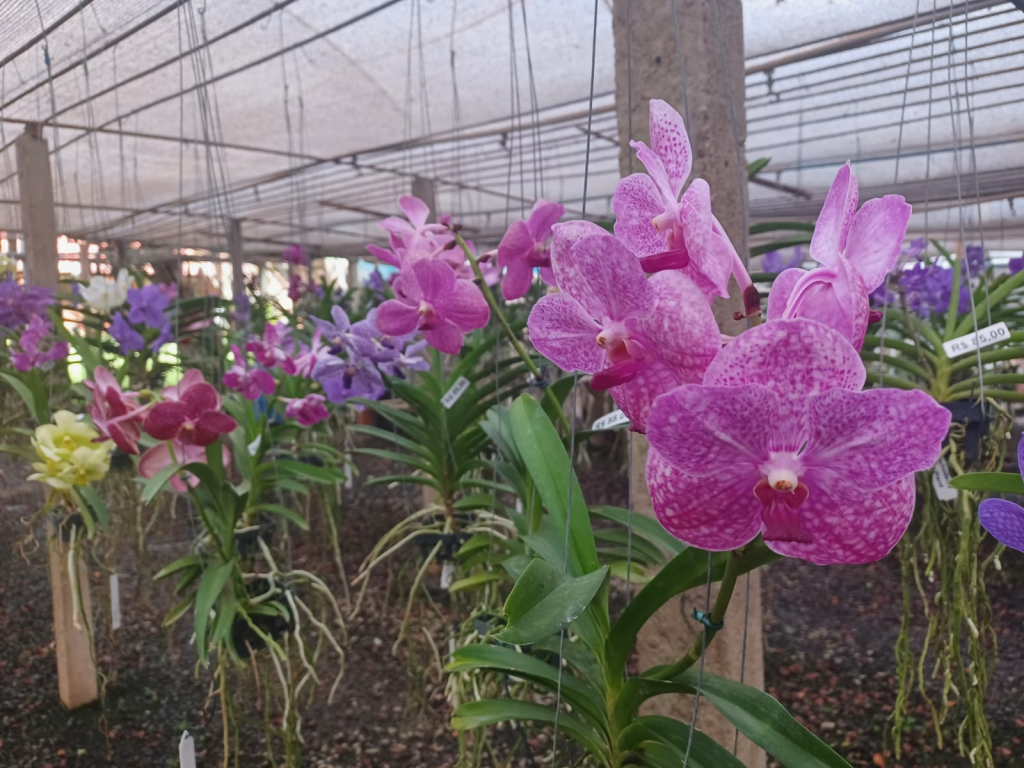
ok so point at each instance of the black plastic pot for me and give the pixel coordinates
(247, 539)
(244, 637)
(969, 413)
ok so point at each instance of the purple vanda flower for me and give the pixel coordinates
(368, 340)
(1016, 265)
(270, 350)
(355, 377)
(147, 305)
(780, 440)
(773, 262)
(249, 382)
(407, 360)
(37, 349)
(638, 337)
(308, 410)
(336, 331)
(1004, 519)
(669, 232)
(429, 298)
(856, 250)
(127, 337)
(525, 247)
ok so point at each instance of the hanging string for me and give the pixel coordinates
(700, 669)
(572, 419)
(629, 444)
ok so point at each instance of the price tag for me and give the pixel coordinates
(447, 572)
(348, 473)
(940, 482)
(985, 337)
(187, 751)
(610, 421)
(115, 602)
(452, 395)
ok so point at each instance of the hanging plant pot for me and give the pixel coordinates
(246, 640)
(969, 413)
(247, 539)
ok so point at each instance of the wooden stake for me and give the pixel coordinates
(76, 673)
(38, 218)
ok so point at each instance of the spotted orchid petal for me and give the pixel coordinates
(829, 238)
(875, 237)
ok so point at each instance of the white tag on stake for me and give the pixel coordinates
(985, 337)
(115, 602)
(940, 481)
(348, 472)
(611, 420)
(447, 572)
(452, 395)
(187, 751)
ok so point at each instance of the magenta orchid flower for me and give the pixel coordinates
(296, 254)
(779, 440)
(37, 348)
(270, 350)
(164, 455)
(249, 382)
(526, 247)
(639, 337)
(303, 363)
(190, 413)
(336, 331)
(669, 232)
(429, 298)
(308, 410)
(1005, 519)
(116, 414)
(856, 250)
(408, 234)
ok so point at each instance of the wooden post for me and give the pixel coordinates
(711, 40)
(235, 251)
(424, 190)
(38, 218)
(76, 672)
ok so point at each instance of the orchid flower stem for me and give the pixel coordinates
(518, 345)
(703, 640)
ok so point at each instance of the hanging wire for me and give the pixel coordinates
(629, 445)
(572, 419)
(700, 669)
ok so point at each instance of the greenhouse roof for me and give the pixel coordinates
(306, 118)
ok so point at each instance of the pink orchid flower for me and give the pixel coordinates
(190, 413)
(164, 455)
(409, 234)
(431, 299)
(117, 415)
(249, 382)
(856, 250)
(525, 247)
(669, 232)
(308, 410)
(269, 351)
(780, 440)
(305, 361)
(640, 337)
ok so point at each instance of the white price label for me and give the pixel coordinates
(348, 473)
(985, 337)
(187, 751)
(115, 602)
(447, 572)
(452, 395)
(611, 420)
(940, 482)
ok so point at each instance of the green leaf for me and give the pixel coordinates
(645, 526)
(763, 720)
(548, 464)
(478, 714)
(322, 475)
(178, 565)
(757, 166)
(993, 482)
(544, 601)
(288, 514)
(212, 584)
(157, 482)
(92, 504)
(39, 411)
(178, 610)
(476, 580)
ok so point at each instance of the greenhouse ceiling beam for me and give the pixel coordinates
(861, 37)
(105, 47)
(41, 37)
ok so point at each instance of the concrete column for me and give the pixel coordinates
(711, 39)
(424, 190)
(237, 255)
(38, 219)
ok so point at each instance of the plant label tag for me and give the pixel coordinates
(940, 482)
(348, 473)
(611, 420)
(187, 751)
(985, 337)
(452, 395)
(115, 602)
(447, 572)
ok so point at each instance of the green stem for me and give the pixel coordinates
(703, 640)
(517, 345)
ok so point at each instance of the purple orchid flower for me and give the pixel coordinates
(1004, 519)
(127, 337)
(669, 232)
(774, 263)
(371, 342)
(375, 283)
(408, 359)
(146, 305)
(409, 234)
(296, 254)
(269, 351)
(19, 304)
(915, 248)
(165, 336)
(250, 382)
(336, 331)
(308, 410)
(37, 349)
(296, 289)
(1016, 265)
(525, 247)
(856, 250)
(303, 363)
(780, 440)
(638, 337)
(975, 260)
(342, 379)
(429, 298)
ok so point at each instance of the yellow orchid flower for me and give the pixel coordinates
(69, 454)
